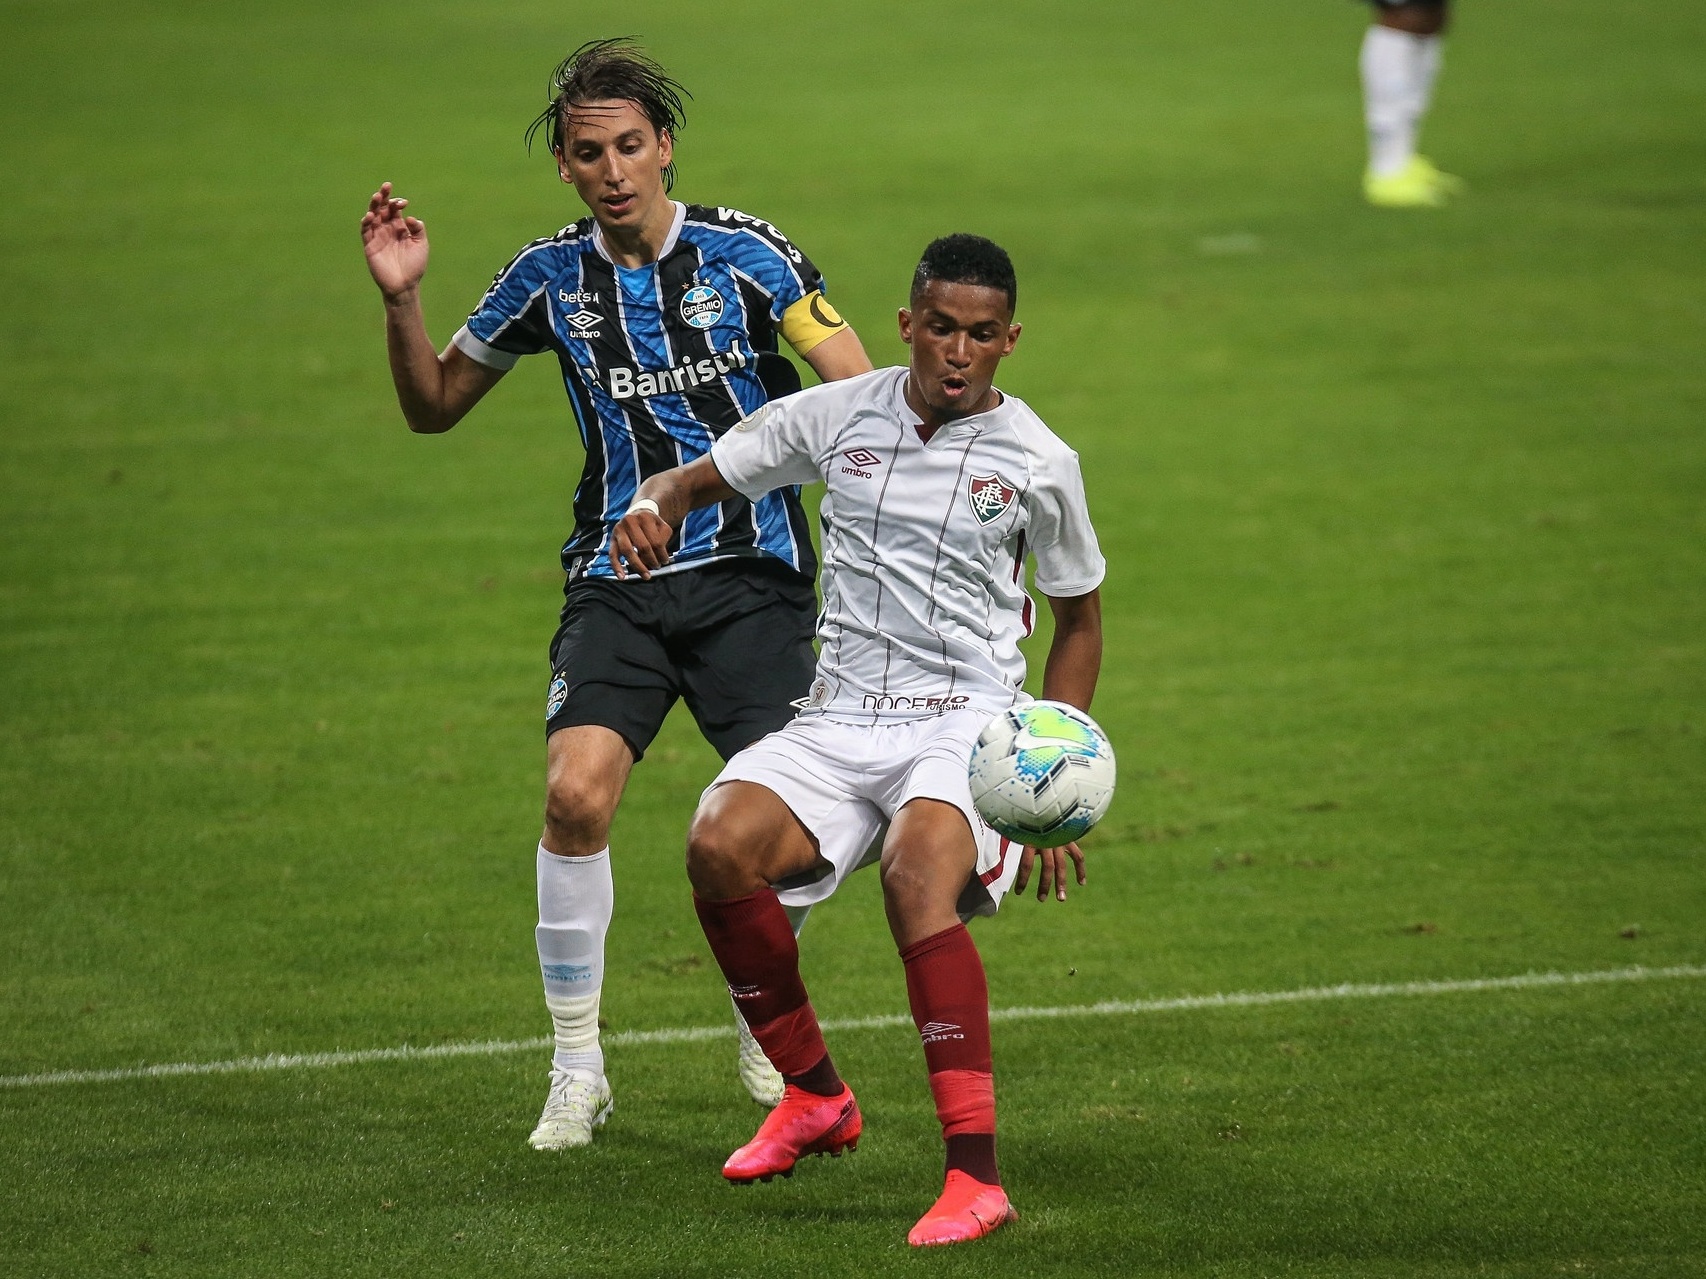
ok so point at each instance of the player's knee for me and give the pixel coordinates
(715, 854)
(577, 816)
(906, 891)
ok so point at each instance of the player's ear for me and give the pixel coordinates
(1013, 331)
(906, 326)
(562, 164)
(666, 148)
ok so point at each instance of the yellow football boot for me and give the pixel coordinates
(1418, 185)
(1447, 184)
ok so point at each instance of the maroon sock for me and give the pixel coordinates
(950, 1006)
(754, 946)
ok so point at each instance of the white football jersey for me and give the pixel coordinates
(924, 544)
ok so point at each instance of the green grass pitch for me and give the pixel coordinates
(1406, 516)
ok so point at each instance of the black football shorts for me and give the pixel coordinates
(734, 638)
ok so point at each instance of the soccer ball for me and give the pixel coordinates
(1042, 774)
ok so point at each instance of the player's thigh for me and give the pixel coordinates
(929, 855)
(815, 767)
(745, 835)
(747, 657)
(609, 665)
(936, 767)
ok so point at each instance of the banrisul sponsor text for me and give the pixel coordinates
(629, 384)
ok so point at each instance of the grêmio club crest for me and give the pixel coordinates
(990, 497)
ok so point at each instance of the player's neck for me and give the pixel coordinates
(932, 420)
(640, 244)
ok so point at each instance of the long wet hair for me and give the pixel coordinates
(613, 69)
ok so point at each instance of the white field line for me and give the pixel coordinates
(693, 1034)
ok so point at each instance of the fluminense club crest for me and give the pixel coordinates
(990, 497)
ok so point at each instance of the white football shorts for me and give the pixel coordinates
(845, 782)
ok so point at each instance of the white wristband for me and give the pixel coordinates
(643, 504)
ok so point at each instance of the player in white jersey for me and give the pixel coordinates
(940, 487)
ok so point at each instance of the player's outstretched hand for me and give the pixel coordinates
(639, 542)
(396, 244)
(1051, 870)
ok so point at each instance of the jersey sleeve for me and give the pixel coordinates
(770, 261)
(1060, 535)
(512, 319)
(782, 443)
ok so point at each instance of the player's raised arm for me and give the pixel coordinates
(640, 540)
(435, 391)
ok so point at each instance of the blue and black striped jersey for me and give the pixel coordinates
(658, 361)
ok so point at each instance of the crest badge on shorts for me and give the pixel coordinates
(990, 497)
(557, 696)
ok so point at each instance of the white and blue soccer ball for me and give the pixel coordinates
(1042, 774)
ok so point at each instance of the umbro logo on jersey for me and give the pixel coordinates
(581, 323)
(935, 1031)
(860, 459)
(990, 497)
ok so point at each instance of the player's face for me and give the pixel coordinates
(615, 159)
(958, 334)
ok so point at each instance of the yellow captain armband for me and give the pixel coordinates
(809, 321)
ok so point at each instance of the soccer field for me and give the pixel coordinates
(1406, 522)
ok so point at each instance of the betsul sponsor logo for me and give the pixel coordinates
(583, 323)
(630, 384)
(861, 460)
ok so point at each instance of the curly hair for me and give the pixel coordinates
(967, 259)
(613, 69)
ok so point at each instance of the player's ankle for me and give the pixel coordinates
(973, 1153)
(821, 1080)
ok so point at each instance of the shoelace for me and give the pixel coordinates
(572, 1090)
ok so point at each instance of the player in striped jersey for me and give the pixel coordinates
(664, 319)
(940, 488)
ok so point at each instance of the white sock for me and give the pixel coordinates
(1425, 55)
(576, 900)
(1392, 98)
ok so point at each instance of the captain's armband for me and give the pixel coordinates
(809, 321)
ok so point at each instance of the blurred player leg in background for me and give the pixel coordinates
(1400, 59)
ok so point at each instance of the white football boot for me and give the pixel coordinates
(763, 1081)
(578, 1102)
